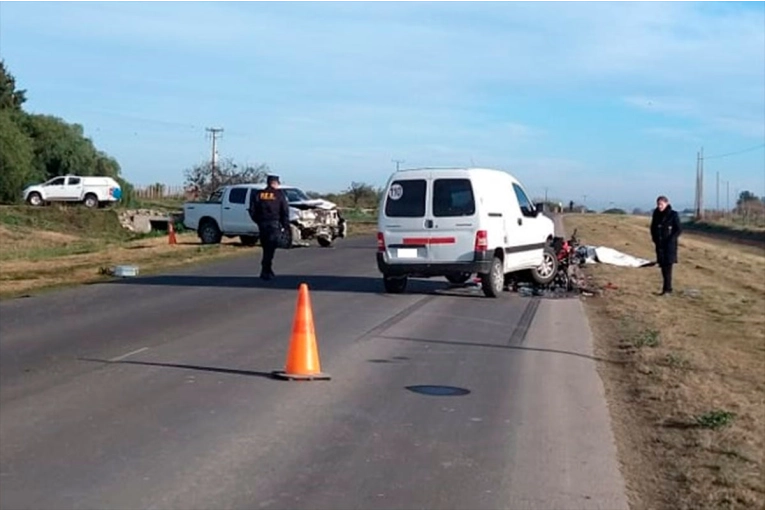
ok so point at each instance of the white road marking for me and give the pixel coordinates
(118, 358)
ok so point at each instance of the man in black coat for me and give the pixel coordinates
(271, 211)
(665, 229)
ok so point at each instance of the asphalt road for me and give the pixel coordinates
(438, 400)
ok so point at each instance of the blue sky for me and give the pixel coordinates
(611, 100)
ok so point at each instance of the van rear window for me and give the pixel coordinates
(453, 197)
(406, 199)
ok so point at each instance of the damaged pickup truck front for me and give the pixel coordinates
(225, 213)
(313, 219)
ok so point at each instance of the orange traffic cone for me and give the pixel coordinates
(303, 355)
(171, 233)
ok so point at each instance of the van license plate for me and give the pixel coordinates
(407, 253)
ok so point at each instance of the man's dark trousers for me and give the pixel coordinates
(269, 240)
(666, 274)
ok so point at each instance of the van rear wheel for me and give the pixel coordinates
(493, 282)
(395, 285)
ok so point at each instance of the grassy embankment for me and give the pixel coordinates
(736, 229)
(57, 246)
(685, 373)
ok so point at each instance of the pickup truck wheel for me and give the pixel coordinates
(34, 199)
(249, 240)
(90, 201)
(209, 233)
(395, 285)
(493, 282)
(458, 278)
(545, 272)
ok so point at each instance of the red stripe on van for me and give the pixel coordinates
(419, 241)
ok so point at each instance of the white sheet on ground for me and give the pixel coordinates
(605, 255)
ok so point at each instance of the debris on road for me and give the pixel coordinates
(120, 271)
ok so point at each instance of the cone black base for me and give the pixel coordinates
(281, 374)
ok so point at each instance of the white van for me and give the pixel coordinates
(91, 191)
(460, 221)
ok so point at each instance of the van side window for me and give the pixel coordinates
(453, 197)
(406, 199)
(527, 209)
(237, 195)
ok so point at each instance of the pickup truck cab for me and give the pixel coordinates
(457, 222)
(91, 191)
(225, 213)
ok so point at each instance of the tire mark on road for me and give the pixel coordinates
(524, 323)
(395, 319)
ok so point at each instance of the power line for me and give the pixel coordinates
(749, 149)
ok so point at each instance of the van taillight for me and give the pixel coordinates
(380, 242)
(481, 240)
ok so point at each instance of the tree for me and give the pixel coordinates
(746, 197)
(60, 148)
(10, 97)
(202, 179)
(749, 204)
(362, 193)
(16, 159)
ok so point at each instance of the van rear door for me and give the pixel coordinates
(454, 213)
(403, 220)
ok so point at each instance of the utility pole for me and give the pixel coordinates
(717, 204)
(696, 190)
(701, 184)
(545, 195)
(699, 202)
(214, 133)
(398, 163)
(727, 196)
(585, 202)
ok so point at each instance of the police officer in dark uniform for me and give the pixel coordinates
(271, 211)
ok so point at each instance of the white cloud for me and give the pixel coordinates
(358, 83)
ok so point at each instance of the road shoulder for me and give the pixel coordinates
(562, 389)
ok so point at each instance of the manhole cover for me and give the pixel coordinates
(438, 391)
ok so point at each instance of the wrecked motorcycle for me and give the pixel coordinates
(568, 260)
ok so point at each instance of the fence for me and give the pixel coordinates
(163, 192)
(748, 215)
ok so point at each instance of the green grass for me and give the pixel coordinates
(77, 221)
(714, 419)
(35, 254)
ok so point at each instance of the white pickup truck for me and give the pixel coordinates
(91, 191)
(226, 213)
